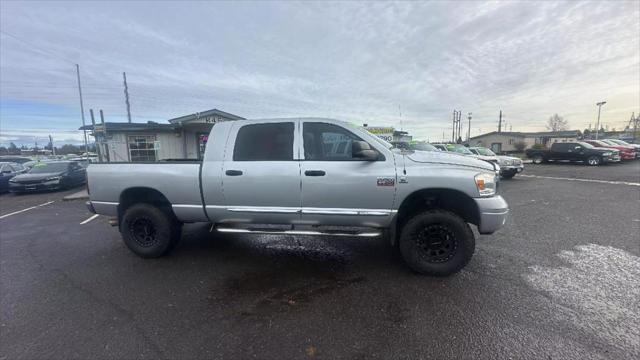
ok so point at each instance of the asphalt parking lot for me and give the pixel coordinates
(560, 281)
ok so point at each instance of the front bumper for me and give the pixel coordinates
(511, 168)
(493, 213)
(43, 186)
(628, 156)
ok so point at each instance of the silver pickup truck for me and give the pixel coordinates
(306, 177)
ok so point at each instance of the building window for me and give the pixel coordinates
(510, 141)
(142, 148)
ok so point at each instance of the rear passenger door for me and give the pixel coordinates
(261, 173)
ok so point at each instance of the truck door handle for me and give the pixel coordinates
(315, 173)
(233, 172)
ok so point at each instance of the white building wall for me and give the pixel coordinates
(117, 144)
(170, 144)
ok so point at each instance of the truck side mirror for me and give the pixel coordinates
(362, 150)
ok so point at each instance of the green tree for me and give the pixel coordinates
(13, 149)
(520, 145)
(68, 149)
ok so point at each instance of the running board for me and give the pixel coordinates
(298, 232)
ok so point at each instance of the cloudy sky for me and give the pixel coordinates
(362, 62)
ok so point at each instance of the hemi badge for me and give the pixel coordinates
(383, 181)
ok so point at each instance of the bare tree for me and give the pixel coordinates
(557, 123)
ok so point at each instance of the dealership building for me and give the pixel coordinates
(184, 137)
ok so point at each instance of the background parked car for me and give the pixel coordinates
(15, 159)
(52, 175)
(622, 142)
(626, 152)
(422, 146)
(509, 165)
(573, 151)
(7, 171)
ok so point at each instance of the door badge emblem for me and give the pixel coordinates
(384, 181)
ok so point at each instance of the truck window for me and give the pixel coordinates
(264, 142)
(327, 142)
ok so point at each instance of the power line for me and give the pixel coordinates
(37, 48)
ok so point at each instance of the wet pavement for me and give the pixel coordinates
(560, 281)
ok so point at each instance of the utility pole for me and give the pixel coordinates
(104, 136)
(86, 145)
(453, 127)
(459, 137)
(635, 124)
(399, 113)
(469, 131)
(500, 122)
(95, 134)
(599, 105)
(53, 149)
(126, 96)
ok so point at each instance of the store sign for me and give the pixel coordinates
(385, 133)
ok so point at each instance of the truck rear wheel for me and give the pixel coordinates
(593, 161)
(436, 242)
(537, 159)
(148, 231)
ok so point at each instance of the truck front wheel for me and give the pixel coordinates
(148, 231)
(436, 242)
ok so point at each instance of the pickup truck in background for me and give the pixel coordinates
(573, 151)
(509, 165)
(306, 177)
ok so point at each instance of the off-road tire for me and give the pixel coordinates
(149, 231)
(436, 242)
(509, 175)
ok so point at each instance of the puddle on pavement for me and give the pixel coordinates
(291, 278)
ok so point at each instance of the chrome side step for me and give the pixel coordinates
(298, 232)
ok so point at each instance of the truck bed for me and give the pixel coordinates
(178, 181)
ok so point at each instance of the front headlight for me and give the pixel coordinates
(606, 154)
(52, 178)
(12, 181)
(486, 184)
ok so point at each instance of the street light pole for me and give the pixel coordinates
(599, 105)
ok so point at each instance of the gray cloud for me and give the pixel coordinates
(356, 61)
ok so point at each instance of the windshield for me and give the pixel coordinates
(619, 142)
(586, 145)
(601, 143)
(485, 152)
(461, 149)
(41, 168)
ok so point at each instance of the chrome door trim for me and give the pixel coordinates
(304, 210)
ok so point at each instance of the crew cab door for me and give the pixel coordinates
(339, 189)
(260, 174)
